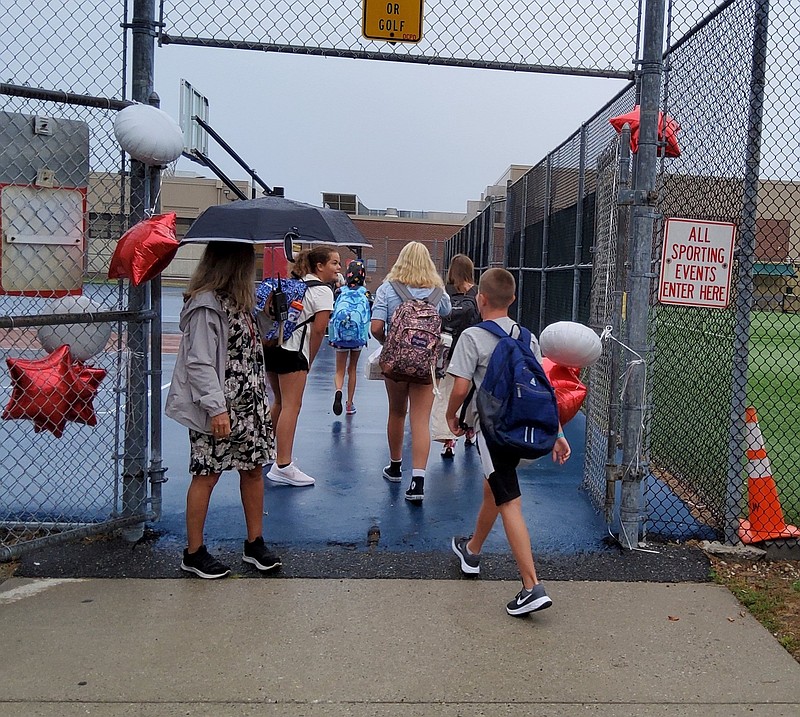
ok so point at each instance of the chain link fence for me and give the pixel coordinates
(705, 366)
(482, 239)
(565, 236)
(65, 199)
(540, 36)
(503, 34)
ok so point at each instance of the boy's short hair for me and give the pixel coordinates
(499, 287)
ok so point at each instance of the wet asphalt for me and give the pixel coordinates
(355, 524)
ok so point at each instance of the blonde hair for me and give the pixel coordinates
(461, 272)
(414, 267)
(498, 287)
(305, 262)
(229, 269)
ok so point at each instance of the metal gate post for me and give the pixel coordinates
(548, 188)
(613, 472)
(576, 272)
(523, 223)
(644, 214)
(744, 279)
(134, 484)
(156, 472)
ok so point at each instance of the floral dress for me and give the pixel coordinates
(252, 440)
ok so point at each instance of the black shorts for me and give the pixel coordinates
(503, 480)
(279, 360)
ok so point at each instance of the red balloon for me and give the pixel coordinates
(87, 380)
(667, 128)
(570, 392)
(52, 391)
(145, 250)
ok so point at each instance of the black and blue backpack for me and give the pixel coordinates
(275, 296)
(516, 404)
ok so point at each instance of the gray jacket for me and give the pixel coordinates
(197, 390)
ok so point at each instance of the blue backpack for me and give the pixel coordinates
(516, 404)
(348, 327)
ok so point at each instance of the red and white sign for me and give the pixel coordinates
(696, 263)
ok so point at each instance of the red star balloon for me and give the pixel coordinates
(145, 250)
(667, 129)
(52, 391)
(87, 380)
(570, 392)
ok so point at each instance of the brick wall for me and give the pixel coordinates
(388, 236)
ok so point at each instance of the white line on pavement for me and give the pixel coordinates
(34, 588)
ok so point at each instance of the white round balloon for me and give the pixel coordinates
(148, 134)
(85, 340)
(570, 344)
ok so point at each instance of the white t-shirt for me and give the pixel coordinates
(472, 353)
(316, 299)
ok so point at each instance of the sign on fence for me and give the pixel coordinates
(396, 21)
(696, 263)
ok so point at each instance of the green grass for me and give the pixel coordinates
(692, 379)
(773, 387)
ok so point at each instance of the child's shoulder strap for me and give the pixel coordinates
(493, 328)
(435, 296)
(402, 291)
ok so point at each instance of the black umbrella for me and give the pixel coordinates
(274, 220)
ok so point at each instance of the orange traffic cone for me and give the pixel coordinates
(766, 515)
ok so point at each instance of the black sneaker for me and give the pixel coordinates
(470, 564)
(203, 564)
(337, 403)
(526, 602)
(416, 491)
(395, 475)
(258, 554)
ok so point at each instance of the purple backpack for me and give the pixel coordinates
(414, 341)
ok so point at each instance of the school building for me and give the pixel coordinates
(478, 231)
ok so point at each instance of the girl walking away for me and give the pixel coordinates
(463, 296)
(288, 363)
(218, 391)
(348, 333)
(414, 284)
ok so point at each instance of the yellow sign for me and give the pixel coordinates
(397, 21)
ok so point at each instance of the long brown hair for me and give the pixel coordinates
(228, 268)
(305, 262)
(461, 273)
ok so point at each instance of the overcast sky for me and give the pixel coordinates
(398, 135)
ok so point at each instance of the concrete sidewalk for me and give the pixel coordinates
(384, 647)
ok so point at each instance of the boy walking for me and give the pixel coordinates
(501, 493)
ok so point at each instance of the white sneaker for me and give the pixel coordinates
(290, 475)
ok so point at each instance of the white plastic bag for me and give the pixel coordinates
(440, 431)
(372, 369)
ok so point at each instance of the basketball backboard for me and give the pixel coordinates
(193, 104)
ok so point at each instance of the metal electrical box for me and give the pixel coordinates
(44, 177)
